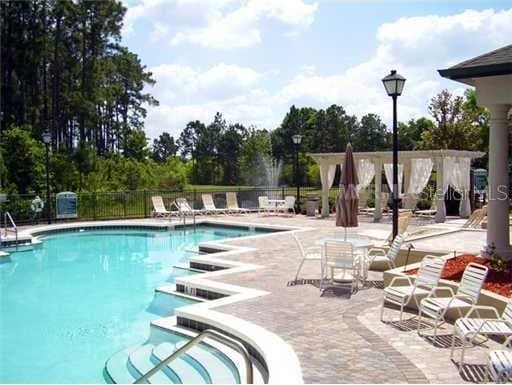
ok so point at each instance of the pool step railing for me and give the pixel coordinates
(8, 221)
(213, 334)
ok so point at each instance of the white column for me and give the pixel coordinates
(377, 214)
(439, 195)
(324, 170)
(498, 206)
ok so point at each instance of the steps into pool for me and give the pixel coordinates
(202, 364)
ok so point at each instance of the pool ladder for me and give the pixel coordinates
(8, 220)
(213, 334)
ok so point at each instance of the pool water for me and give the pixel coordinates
(69, 303)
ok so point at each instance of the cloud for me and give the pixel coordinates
(415, 46)
(219, 24)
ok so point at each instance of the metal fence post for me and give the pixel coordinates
(282, 192)
(145, 197)
(94, 205)
(124, 203)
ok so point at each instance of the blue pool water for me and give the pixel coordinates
(67, 305)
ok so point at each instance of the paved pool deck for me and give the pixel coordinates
(338, 337)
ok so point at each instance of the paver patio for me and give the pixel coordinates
(338, 339)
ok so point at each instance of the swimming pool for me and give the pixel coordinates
(69, 303)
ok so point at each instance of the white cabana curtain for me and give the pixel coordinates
(365, 173)
(456, 174)
(420, 174)
(388, 170)
(331, 171)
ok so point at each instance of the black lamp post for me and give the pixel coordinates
(394, 84)
(296, 141)
(47, 139)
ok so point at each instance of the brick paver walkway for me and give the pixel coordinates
(338, 338)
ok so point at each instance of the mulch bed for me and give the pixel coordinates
(497, 281)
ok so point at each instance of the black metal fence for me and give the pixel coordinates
(138, 204)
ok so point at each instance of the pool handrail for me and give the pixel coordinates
(234, 344)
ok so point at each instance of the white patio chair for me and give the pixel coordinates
(380, 255)
(499, 364)
(313, 253)
(425, 283)
(468, 329)
(466, 296)
(264, 205)
(209, 205)
(339, 255)
(159, 210)
(289, 204)
(232, 204)
(184, 207)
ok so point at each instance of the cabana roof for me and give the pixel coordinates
(386, 156)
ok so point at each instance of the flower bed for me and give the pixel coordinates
(499, 282)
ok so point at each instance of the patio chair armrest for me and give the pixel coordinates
(476, 308)
(400, 278)
(376, 250)
(508, 342)
(441, 288)
(465, 298)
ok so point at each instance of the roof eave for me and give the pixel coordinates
(468, 74)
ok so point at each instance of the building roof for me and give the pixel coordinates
(494, 63)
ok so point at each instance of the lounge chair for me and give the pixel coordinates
(425, 283)
(476, 218)
(313, 253)
(380, 255)
(408, 203)
(466, 296)
(499, 364)
(404, 219)
(159, 210)
(184, 207)
(427, 213)
(232, 204)
(289, 205)
(468, 329)
(384, 198)
(209, 205)
(264, 206)
(338, 255)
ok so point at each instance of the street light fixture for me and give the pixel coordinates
(47, 139)
(296, 141)
(394, 84)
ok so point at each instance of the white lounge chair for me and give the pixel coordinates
(468, 329)
(209, 205)
(184, 207)
(466, 296)
(313, 253)
(499, 364)
(425, 283)
(159, 210)
(289, 205)
(339, 255)
(427, 213)
(380, 255)
(232, 204)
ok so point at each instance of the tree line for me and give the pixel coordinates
(64, 70)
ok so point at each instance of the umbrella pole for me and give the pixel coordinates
(345, 233)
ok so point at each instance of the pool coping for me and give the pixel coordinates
(267, 346)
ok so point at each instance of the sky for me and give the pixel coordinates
(252, 59)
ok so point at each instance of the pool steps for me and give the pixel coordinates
(203, 364)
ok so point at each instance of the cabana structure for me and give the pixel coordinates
(414, 169)
(491, 75)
